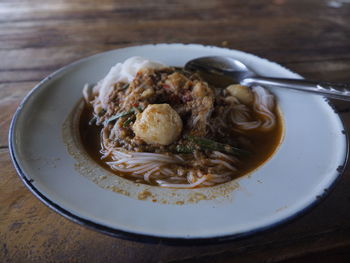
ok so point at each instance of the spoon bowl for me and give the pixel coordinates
(240, 73)
(220, 66)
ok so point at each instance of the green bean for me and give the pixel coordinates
(180, 148)
(133, 110)
(207, 144)
(128, 121)
(119, 115)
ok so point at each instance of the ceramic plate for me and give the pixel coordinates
(48, 156)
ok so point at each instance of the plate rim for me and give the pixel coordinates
(146, 238)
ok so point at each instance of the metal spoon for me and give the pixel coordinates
(240, 73)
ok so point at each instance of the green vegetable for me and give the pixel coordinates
(205, 144)
(133, 110)
(184, 149)
(119, 115)
(128, 121)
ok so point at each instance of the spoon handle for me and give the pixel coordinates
(339, 91)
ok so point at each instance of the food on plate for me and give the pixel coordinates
(158, 124)
(166, 126)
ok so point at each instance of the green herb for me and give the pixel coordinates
(180, 148)
(133, 110)
(117, 116)
(128, 121)
(205, 143)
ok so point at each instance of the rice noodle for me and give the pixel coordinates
(122, 72)
(225, 156)
(144, 165)
(87, 92)
(190, 177)
(226, 164)
(146, 168)
(167, 171)
(192, 185)
(149, 173)
(122, 154)
(263, 106)
(106, 154)
(264, 103)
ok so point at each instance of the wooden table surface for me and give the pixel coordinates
(311, 37)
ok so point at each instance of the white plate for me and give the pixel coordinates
(306, 164)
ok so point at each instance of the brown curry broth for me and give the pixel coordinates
(265, 144)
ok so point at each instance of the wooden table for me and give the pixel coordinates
(37, 37)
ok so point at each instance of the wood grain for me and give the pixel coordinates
(38, 37)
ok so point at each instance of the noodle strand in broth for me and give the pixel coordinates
(168, 127)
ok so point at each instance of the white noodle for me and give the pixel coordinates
(87, 93)
(195, 120)
(149, 173)
(146, 168)
(122, 154)
(192, 185)
(106, 154)
(264, 105)
(131, 169)
(225, 156)
(167, 171)
(179, 157)
(217, 161)
(190, 177)
(219, 178)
